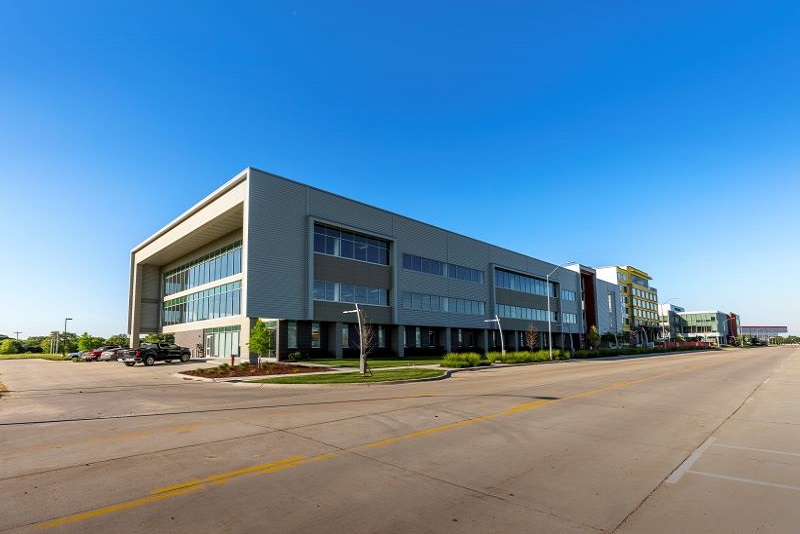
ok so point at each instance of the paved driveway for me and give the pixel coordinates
(45, 390)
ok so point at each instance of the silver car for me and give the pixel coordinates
(109, 355)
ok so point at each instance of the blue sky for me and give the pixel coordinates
(661, 135)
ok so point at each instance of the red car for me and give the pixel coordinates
(95, 353)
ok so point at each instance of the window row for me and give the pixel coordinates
(568, 294)
(345, 244)
(220, 301)
(339, 292)
(643, 294)
(441, 268)
(569, 318)
(520, 282)
(644, 314)
(214, 266)
(421, 301)
(351, 338)
(645, 304)
(520, 312)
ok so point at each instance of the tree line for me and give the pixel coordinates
(71, 342)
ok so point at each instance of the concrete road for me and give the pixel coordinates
(702, 442)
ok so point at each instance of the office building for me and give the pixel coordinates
(265, 247)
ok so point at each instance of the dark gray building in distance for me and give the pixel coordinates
(297, 257)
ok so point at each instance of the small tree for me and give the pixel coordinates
(10, 346)
(532, 337)
(609, 338)
(159, 338)
(118, 339)
(260, 339)
(593, 337)
(87, 342)
(366, 342)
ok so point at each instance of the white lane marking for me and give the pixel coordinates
(747, 480)
(770, 451)
(687, 464)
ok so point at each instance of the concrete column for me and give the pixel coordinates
(335, 339)
(515, 343)
(398, 340)
(448, 340)
(245, 326)
(135, 310)
(485, 341)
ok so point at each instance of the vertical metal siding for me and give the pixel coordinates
(277, 258)
(348, 212)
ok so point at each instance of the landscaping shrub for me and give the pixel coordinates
(10, 346)
(524, 356)
(462, 359)
(631, 351)
(296, 356)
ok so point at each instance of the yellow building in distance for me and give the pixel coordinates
(639, 299)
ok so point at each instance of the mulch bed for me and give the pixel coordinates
(252, 370)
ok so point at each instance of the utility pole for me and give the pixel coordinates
(17, 332)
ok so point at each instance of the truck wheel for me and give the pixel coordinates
(185, 357)
(149, 361)
(130, 364)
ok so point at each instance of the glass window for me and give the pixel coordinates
(347, 293)
(348, 249)
(361, 251)
(361, 294)
(291, 334)
(315, 336)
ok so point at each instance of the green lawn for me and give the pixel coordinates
(31, 357)
(355, 378)
(377, 363)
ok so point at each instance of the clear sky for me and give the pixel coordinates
(664, 135)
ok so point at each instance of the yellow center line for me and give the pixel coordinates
(116, 507)
(231, 474)
(296, 461)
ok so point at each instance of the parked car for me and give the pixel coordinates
(110, 354)
(73, 355)
(94, 354)
(150, 353)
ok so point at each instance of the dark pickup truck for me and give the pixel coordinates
(150, 353)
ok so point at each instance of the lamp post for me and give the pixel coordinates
(362, 361)
(502, 343)
(64, 345)
(549, 318)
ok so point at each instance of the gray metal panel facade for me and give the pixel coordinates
(336, 209)
(334, 312)
(280, 272)
(277, 244)
(151, 298)
(351, 272)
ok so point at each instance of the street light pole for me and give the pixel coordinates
(64, 343)
(362, 361)
(549, 318)
(502, 343)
